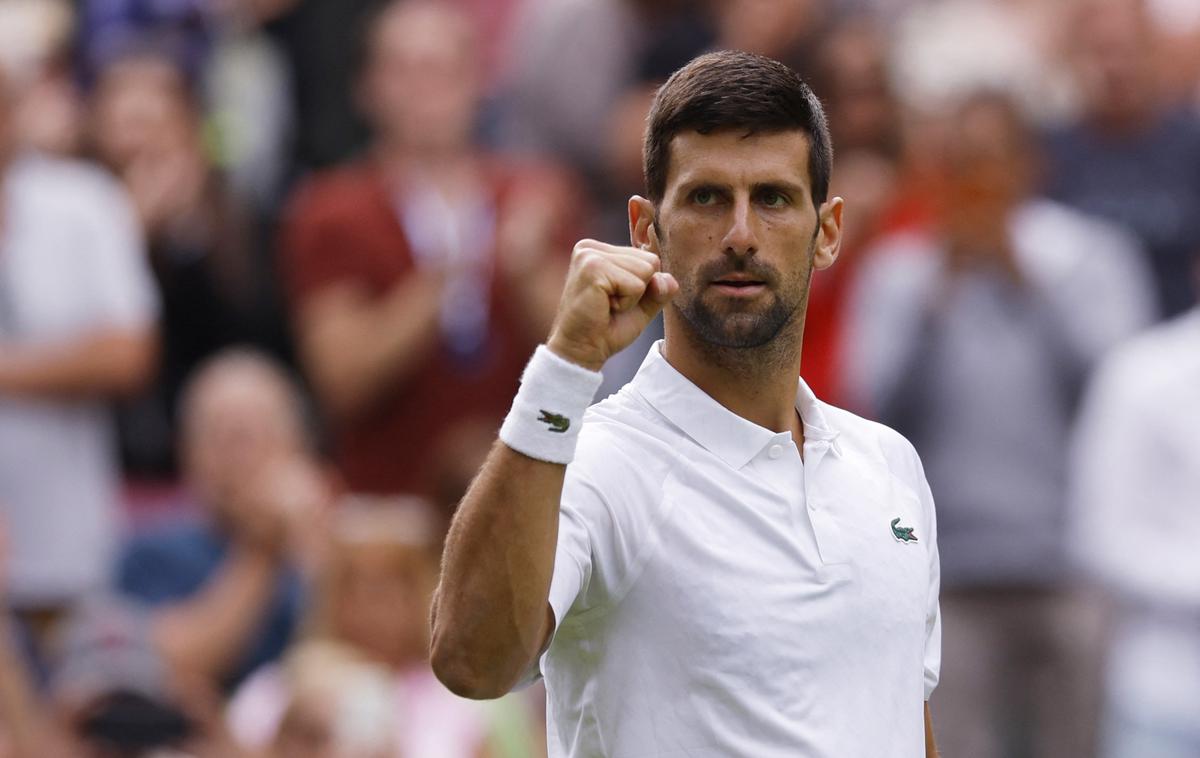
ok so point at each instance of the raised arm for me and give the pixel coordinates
(491, 615)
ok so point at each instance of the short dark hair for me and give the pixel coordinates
(735, 90)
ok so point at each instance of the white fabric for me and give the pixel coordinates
(429, 719)
(553, 392)
(1136, 517)
(71, 261)
(717, 596)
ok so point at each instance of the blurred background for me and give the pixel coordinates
(270, 269)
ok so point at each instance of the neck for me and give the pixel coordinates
(758, 383)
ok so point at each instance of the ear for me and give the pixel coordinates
(829, 233)
(641, 224)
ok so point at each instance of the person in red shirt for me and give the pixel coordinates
(423, 275)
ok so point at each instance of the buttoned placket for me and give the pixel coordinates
(817, 506)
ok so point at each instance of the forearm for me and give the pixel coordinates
(206, 634)
(356, 349)
(931, 750)
(490, 616)
(114, 362)
(26, 728)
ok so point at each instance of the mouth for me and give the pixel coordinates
(736, 285)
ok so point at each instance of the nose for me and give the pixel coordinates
(741, 240)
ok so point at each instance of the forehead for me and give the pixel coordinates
(422, 30)
(731, 157)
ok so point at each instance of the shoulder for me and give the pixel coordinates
(340, 193)
(877, 443)
(1154, 364)
(626, 450)
(68, 184)
(1056, 241)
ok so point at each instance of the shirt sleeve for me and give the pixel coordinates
(933, 612)
(573, 558)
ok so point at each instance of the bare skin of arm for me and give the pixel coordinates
(355, 347)
(114, 362)
(205, 634)
(491, 615)
(931, 750)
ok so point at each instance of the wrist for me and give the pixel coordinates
(548, 411)
(580, 356)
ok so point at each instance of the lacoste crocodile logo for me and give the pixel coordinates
(558, 424)
(902, 533)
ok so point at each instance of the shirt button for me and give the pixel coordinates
(775, 451)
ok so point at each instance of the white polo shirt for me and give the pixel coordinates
(716, 596)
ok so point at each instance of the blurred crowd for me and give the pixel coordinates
(270, 270)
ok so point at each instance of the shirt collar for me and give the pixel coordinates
(713, 426)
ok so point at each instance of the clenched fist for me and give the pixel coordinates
(612, 293)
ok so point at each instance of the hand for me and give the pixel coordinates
(165, 188)
(612, 293)
(275, 503)
(526, 230)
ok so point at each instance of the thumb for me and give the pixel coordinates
(659, 291)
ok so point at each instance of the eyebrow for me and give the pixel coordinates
(790, 188)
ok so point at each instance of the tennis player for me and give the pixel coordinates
(712, 562)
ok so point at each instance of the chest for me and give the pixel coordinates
(46, 274)
(773, 585)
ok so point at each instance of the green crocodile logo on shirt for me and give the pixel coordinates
(902, 533)
(558, 424)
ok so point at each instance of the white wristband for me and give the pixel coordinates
(548, 410)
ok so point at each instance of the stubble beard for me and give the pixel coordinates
(745, 341)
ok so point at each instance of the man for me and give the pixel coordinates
(77, 328)
(422, 276)
(1133, 155)
(1144, 485)
(974, 340)
(215, 282)
(729, 566)
(224, 586)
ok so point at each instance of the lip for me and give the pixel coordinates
(736, 287)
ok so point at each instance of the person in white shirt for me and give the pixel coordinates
(77, 327)
(728, 566)
(1134, 520)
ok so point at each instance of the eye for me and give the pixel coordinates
(773, 199)
(704, 196)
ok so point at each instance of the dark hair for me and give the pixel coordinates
(735, 90)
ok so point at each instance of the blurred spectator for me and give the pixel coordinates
(1133, 157)
(110, 695)
(77, 328)
(422, 276)
(851, 76)
(1136, 516)
(213, 273)
(373, 607)
(786, 30)
(108, 28)
(575, 60)
(339, 705)
(974, 343)
(224, 583)
(35, 37)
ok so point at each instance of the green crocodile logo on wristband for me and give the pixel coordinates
(558, 424)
